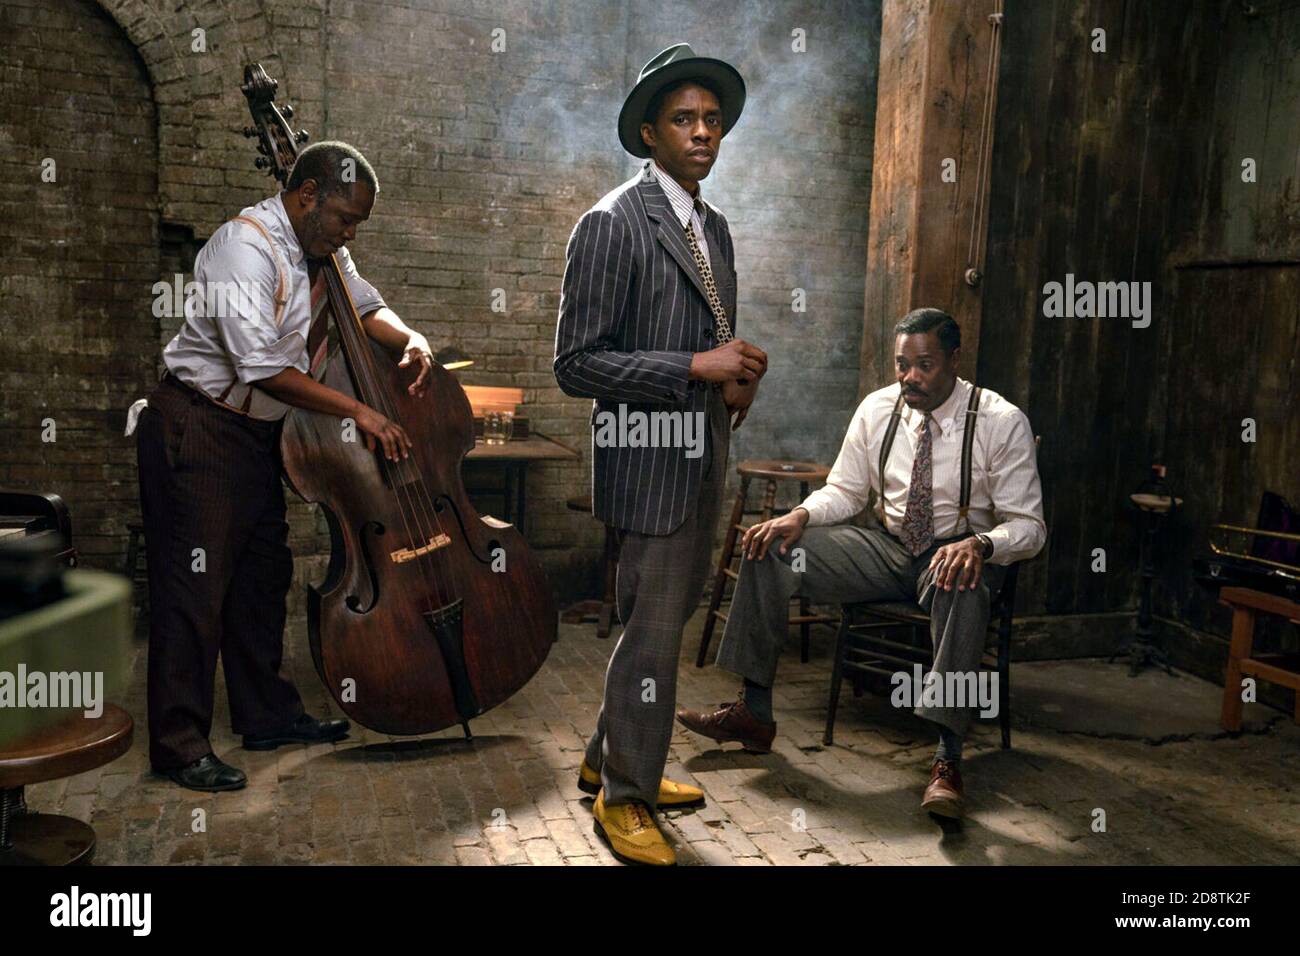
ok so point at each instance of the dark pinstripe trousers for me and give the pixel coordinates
(660, 581)
(210, 480)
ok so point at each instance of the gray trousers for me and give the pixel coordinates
(844, 564)
(660, 581)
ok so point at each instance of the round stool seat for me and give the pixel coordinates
(780, 470)
(70, 747)
(579, 503)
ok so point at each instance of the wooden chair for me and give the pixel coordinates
(860, 651)
(1281, 669)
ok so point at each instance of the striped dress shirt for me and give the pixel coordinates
(1006, 501)
(237, 342)
(687, 208)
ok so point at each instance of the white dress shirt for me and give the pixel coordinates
(1006, 498)
(235, 339)
(687, 208)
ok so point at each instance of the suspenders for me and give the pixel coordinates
(281, 300)
(282, 283)
(967, 449)
(894, 418)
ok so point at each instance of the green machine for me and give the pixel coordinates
(65, 658)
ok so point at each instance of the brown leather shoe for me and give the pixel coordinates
(943, 795)
(733, 722)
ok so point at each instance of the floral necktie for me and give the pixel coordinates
(917, 532)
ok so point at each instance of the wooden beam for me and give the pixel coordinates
(934, 65)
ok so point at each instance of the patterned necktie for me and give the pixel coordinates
(722, 327)
(318, 330)
(917, 532)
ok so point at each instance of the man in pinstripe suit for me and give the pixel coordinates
(647, 310)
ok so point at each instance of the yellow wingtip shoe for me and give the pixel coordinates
(672, 795)
(631, 833)
(675, 796)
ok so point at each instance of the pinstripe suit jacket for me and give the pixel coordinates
(632, 313)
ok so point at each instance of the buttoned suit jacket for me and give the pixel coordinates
(633, 311)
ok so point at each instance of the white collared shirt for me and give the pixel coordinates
(685, 207)
(1006, 500)
(234, 338)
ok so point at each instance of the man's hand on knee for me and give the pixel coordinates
(758, 538)
(960, 563)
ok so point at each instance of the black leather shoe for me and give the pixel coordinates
(209, 774)
(305, 730)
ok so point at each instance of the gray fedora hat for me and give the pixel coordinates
(678, 62)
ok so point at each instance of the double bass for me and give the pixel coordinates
(429, 613)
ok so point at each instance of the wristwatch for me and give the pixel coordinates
(987, 543)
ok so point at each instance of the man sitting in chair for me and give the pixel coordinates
(948, 558)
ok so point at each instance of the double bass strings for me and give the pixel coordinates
(402, 475)
(368, 382)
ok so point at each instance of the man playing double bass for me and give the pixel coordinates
(208, 449)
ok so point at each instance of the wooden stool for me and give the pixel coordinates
(73, 746)
(131, 568)
(135, 537)
(603, 610)
(771, 471)
(1276, 668)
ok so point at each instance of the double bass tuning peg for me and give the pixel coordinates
(262, 162)
(287, 110)
(250, 132)
(301, 136)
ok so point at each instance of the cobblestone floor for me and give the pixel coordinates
(509, 797)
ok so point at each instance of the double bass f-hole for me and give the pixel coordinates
(368, 529)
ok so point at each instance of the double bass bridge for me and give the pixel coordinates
(436, 541)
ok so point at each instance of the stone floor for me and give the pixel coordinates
(1145, 752)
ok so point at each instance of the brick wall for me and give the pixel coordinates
(487, 158)
(77, 336)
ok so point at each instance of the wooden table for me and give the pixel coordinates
(1275, 668)
(514, 457)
